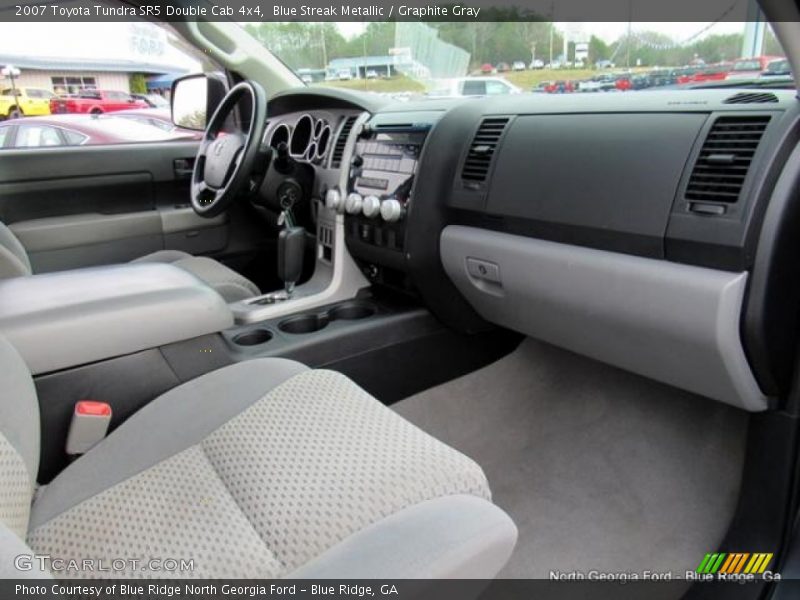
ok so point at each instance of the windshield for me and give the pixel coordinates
(435, 59)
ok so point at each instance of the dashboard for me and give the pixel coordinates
(597, 222)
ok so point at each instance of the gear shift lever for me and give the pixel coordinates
(291, 244)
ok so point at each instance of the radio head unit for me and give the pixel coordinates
(384, 164)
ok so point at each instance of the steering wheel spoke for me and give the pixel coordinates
(224, 162)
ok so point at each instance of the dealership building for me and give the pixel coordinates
(68, 75)
(64, 57)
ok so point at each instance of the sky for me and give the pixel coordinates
(82, 40)
(92, 40)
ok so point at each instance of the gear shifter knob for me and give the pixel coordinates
(291, 246)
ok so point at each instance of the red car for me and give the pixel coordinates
(81, 130)
(95, 102)
(623, 83)
(161, 118)
(560, 87)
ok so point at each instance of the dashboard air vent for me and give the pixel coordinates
(721, 167)
(341, 142)
(752, 98)
(479, 158)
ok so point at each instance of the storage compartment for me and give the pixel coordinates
(62, 320)
(675, 323)
(311, 322)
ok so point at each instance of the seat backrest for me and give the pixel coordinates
(14, 260)
(19, 440)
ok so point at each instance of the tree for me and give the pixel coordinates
(598, 50)
(137, 83)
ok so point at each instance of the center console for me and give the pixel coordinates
(380, 192)
(62, 320)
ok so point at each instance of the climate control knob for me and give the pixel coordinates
(333, 199)
(391, 210)
(372, 207)
(353, 203)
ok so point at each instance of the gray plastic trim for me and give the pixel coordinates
(60, 320)
(56, 233)
(675, 323)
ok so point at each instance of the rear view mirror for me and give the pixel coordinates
(194, 99)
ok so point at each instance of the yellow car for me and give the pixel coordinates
(25, 102)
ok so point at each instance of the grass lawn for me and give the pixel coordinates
(400, 83)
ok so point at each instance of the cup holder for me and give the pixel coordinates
(304, 324)
(351, 312)
(253, 338)
(309, 323)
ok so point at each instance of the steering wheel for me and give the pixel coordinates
(225, 160)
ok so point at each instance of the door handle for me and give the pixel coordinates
(183, 167)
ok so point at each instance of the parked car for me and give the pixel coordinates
(541, 87)
(95, 102)
(623, 83)
(518, 65)
(750, 68)
(598, 83)
(486, 69)
(777, 68)
(641, 82)
(604, 64)
(152, 100)
(372, 74)
(79, 130)
(19, 102)
(473, 86)
(344, 75)
(663, 77)
(717, 72)
(161, 118)
(503, 67)
(537, 63)
(560, 87)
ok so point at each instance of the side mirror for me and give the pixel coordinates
(195, 98)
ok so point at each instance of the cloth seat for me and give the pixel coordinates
(232, 286)
(261, 469)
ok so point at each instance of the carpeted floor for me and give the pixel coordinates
(599, 468)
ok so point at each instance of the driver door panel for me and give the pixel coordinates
(89, 205)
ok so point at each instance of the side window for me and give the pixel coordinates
(84, 71)
(4, 131)
(37, 136)
(496, 88)
(73, 137)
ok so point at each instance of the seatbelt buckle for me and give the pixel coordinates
(89, 425)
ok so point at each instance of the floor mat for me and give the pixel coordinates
(599, 468)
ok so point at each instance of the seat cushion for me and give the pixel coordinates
(14, 260)
(251, 471)
(231, 285)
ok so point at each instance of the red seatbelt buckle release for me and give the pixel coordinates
(89, 425)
